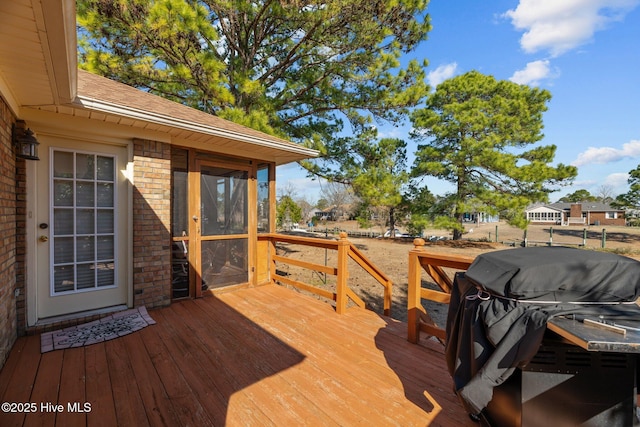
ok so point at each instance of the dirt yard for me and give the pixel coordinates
(391, 256)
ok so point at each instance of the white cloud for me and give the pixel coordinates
(442, 73)
(605, 155)
(561, 25)
(533, 73)
(617, 180)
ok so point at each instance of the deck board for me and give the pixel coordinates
(98, 387)
(186, 360)
(72, 388)
(251, 357)
(130, 410)
(21, 379)
(45, 388)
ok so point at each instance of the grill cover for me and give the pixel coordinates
(500, 306)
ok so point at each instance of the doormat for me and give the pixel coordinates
(105, 329)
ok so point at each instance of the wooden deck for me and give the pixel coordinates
(263, 356)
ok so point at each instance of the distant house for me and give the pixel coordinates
(588, 213)
(327, 214)
(333, 213)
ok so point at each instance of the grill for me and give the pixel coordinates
(518, 335)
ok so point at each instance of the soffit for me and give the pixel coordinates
(30, 30)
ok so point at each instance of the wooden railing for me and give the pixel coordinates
(417, 317)
(345, 250)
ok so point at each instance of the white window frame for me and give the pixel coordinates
(52, 264)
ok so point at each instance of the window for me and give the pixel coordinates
(611, 215)
(263, 199)
(180, 270)
(83, 222)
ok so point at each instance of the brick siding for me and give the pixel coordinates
(8, 327)
(151, 224)
(600, 218)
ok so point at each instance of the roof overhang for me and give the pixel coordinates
(225, 140)
(38, 72)
(38, 62)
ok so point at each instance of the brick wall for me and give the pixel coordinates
(575, 210)
(600, 218)
(21, 245)
(151, 224)
(8, 328)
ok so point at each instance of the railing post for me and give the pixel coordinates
(414, 303)
(343, 274)
(272, 260)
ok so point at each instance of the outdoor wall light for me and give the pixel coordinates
(25, 141)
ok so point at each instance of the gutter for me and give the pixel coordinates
(169, 121)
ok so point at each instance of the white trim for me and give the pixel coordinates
(31, 270)
(88, 313)
(129, 237)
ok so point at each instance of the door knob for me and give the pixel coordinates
(44, 239)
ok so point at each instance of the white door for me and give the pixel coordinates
(81, 224)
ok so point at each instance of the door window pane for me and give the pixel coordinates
(85, 194)
(105, 247)
(63, 278)
(86, 249)
(105, 194)
(106, 169)
(63, 193)
(106, 274)
(63, 250)
(63, 164)
(84, 166)
(85, 274)
(63, 221)
(105, 221)
(85, 221)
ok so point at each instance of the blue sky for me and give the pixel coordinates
(585, 52)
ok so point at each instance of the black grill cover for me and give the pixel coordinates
(492, 332)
